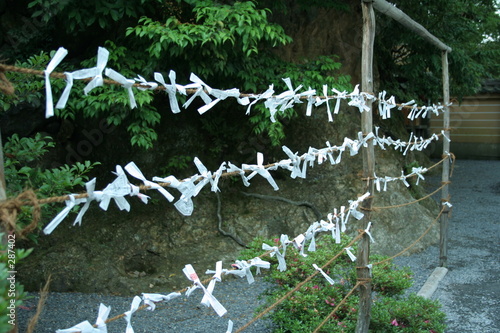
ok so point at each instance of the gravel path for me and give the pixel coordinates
(469, 293)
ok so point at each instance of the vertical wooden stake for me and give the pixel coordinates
(363, 272)
(443, 235)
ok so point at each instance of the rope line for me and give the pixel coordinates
(297, 287)
(414, 242)
(412, 202)
(7, 88)
(10, 209)
(338, 306)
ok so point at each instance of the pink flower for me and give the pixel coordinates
(316, 287)
(395, 322)
(330, 301)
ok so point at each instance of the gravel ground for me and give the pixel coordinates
(469, 293)
(183, 314)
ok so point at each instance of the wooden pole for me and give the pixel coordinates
(443, 235)
(393, 12)
(363, 272)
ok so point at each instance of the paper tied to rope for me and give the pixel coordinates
(329, 152)
(126, 83)
(192, 276)
(95, 73)
(309, 159)
(128, 315)
(242, 269)
(117, 190)
(200, 87)
(367, 231)
(211, 285)
(86, 327)
(298, 243)
(379, 180)
(70, 203)
(385, 106)
(369, 266)
(310, 234)
(261, 170)
(336, 229)
(267, 94)
(54, 62)
(362, 141)
(134, 171)
(418, 172)
(359, 99)
(343, 219)
(284, 100)
(222, 95)
(447, 204)
(145, 85)
(349, 253)
(353, 205)
(151, 299)
(187, 188)
(279, 255)
(233, 168)
(332, 226)
(171, 89)
(324, 99)
(207, 176)
(229, 326)
(329, 279)
(445, 136)
(259, 263)
(294, 163)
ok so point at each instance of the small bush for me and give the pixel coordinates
(308, 306)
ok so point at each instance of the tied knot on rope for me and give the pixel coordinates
(362, 281)
(5, 86)
(453, 159)
(10, 209)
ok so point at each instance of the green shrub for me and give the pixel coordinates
(308, 306)
(22, 171)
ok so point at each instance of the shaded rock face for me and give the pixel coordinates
(146, 249)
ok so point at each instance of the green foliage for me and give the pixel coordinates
(229, 43)
(215, 30)
(29, 90)
(410, 67)
(308, 306)
(177, 163)
(103, 14)
(21, 171)
(11, 295)
(413, 314)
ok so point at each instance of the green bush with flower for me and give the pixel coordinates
(392, 309)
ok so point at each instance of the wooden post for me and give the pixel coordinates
(395, 13)
(363, 272)
(443, 235)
